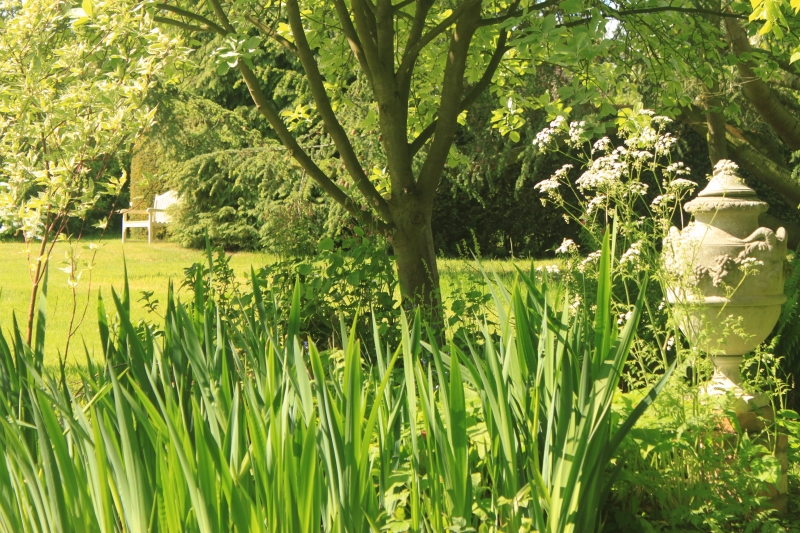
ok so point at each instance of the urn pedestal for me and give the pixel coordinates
(728, 290)
(728, 275)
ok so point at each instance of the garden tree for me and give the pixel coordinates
(387, 42)
(73, 82)
(425, 62)
(728, 77)
(237, 184)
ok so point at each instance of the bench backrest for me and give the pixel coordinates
(163, 201)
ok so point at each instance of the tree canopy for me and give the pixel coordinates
(424, 63)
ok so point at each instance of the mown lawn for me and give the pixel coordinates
(150, 267)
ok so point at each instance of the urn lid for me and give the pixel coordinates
(727, 183)
(726, 190)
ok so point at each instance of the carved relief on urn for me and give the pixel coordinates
(728, 272)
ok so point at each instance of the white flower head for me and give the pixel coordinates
(725, 165)
(590, 259)
(682, 184)
(665, 143)
(632, 254)
(624, 317)
(595, 203)
(568, 246)
(603, 172)
(547, 185)
(558, 122)
(576, 133)
(679, 169)
(543, 138)
(601, 145)
(562, 172)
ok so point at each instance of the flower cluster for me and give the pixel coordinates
(567, 247)
(545, 137)
(577, 133)
(677, 169)
(604, 172)
(632, 254)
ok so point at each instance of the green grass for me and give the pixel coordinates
(150, 267)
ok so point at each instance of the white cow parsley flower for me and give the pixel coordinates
(567, 247)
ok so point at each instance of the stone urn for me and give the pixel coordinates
(727, 274)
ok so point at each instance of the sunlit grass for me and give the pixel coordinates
(150, 267)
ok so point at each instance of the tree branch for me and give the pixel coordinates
(352, 38)
(365, 32)
(471, 96)
(759, 94)
(414, 35)
(192, 16)
(691, 10)
(450, 102)
(266, 30)
(744, 152)
(401, 5)
(267, 109)
(325, 110)
(786, 80)
(410, 55)
(513, 12)
(181, 25)
(223, 18)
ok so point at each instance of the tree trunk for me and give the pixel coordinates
(715, 121)
(749, 155)
(758, 93)
(412, 240)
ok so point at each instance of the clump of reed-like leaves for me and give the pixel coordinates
(213, 424)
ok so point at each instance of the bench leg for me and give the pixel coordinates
(124, 231)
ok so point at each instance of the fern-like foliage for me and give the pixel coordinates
(788, 329)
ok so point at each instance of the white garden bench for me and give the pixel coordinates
(157, 216)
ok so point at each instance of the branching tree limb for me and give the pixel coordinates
(192, 16)
(472, 94)
(450, 106)
(334, 128)
(272, 34)
(758, 93)
(749, 157)
(267, 109)
(182, 25)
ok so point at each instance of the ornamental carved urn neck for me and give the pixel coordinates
(727, 272)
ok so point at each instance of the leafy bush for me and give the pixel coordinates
(688, 467)
(352, 280)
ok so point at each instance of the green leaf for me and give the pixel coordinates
(514, 136)
(88, 7)
(326, 244)
(252, 43)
